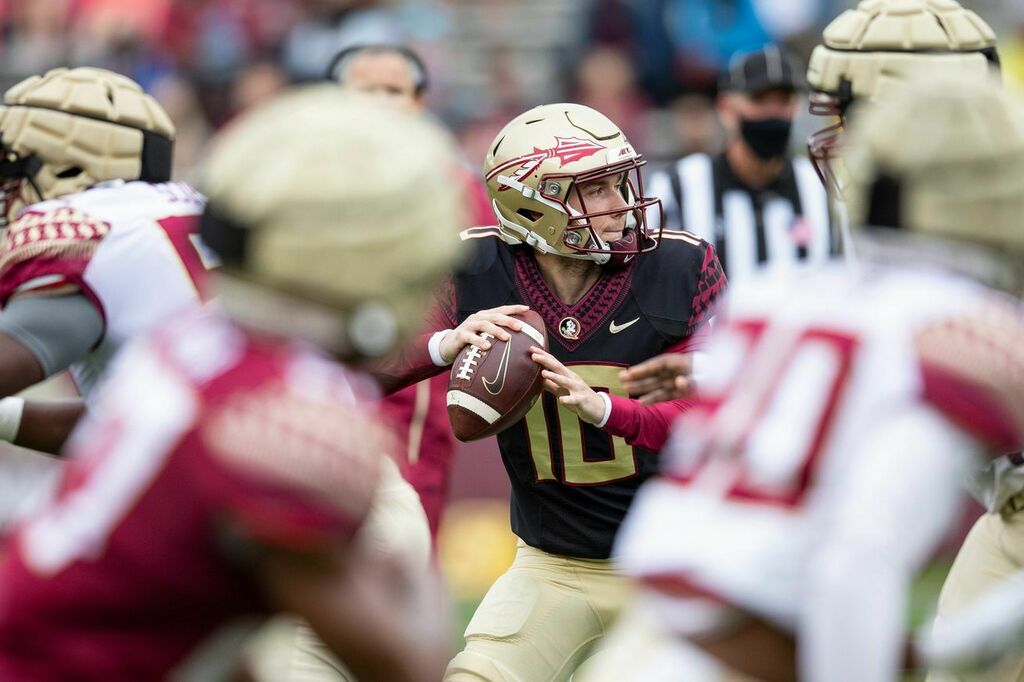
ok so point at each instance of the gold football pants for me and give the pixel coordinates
(540, 619)
(992, 552)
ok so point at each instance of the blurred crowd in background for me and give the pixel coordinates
(651, 65)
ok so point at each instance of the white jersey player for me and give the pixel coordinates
(100, 246)
(845, 406)
(131, 249)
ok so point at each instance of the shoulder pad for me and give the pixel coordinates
(973, 371)
(325, 452)
(678, 285)
(60, 233)
(683, 236)
(483, 245)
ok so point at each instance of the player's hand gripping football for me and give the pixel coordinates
(571, 390)
(473, 328)
(663, 377)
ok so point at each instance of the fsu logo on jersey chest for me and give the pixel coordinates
(569, 328)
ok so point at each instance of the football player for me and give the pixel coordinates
(227, 464)
(572, 244)
(100, 245)
(869, 53)
(823, 463)
(406, 516)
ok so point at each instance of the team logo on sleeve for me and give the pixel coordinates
(566, 150)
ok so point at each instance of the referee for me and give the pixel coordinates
(754, 202)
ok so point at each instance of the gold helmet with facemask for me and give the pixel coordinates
(541, 158)
(69, 129)
(872, 51)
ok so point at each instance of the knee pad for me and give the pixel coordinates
(470, 666)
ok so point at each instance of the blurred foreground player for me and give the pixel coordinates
(228, 465)
(823, 463)
(866, 55)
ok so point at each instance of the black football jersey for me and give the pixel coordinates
(572, 482)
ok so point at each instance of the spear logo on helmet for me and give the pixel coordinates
(566, 150)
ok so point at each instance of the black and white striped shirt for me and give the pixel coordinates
(779, 226)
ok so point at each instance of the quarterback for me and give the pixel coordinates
(572, 244)
(227, 464)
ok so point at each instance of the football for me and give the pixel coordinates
(490, 390)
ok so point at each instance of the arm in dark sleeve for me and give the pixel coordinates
(42, 335)
(412, 362)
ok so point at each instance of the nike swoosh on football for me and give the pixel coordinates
(499, 378)
(616, 328)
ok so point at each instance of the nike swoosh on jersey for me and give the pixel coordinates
(499, 378)
(616, 328)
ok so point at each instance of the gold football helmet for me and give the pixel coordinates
(943, 159)
(69, 129)
(334, 216)
(540, 158)
(869, 52)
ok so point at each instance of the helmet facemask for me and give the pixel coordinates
(824, 145)
(17, 184)
(580, 234)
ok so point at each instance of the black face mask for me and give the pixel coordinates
(766, 137)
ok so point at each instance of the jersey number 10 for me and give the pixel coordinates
(557, 435)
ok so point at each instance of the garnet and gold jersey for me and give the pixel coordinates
(204, 444)
(132, 248)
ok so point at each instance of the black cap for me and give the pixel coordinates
(766, 69)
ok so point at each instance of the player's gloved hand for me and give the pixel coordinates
(571, 390)
(663, 377)
(474, 327)
(980, 636)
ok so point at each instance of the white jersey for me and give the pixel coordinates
(132, 248)
(826, 385)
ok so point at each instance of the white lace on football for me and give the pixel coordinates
(470, 361)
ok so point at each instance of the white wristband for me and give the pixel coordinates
(10, 417)
(434, 348)
(607, 409)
